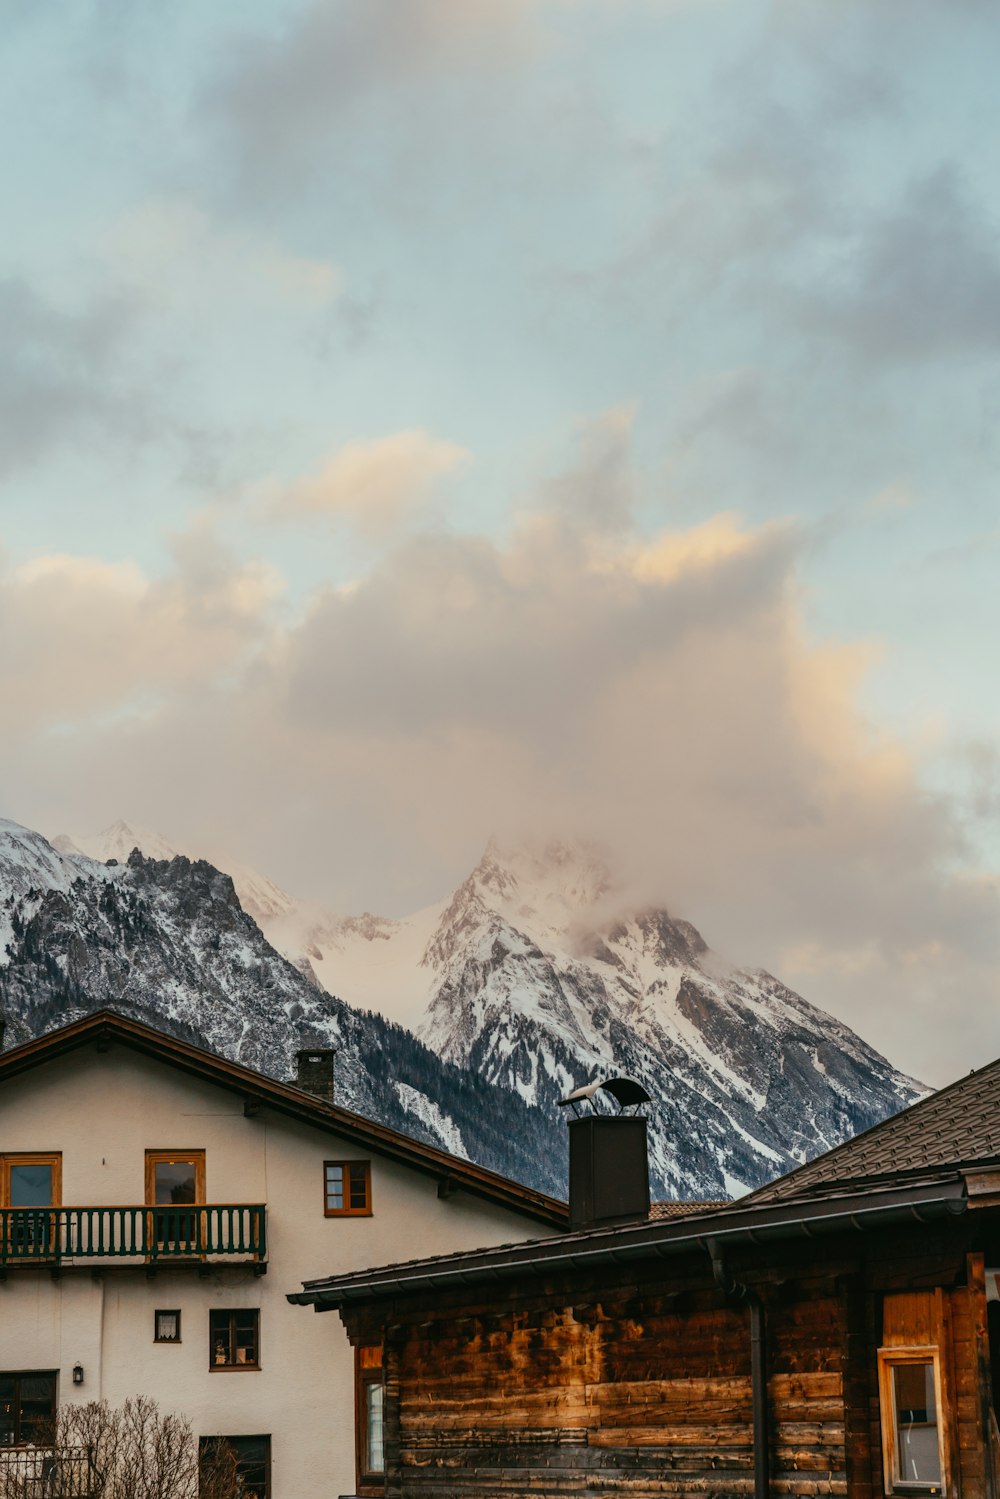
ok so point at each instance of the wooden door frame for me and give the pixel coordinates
(153, 1158)
(51, 1158)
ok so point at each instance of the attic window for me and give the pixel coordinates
(347, 1189)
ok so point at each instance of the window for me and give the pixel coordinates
(31, 1182)
(234, 1339)
(348, 1188)
(166, 1327)
(250, 1456)
(909, 1394)
(27, 1408)
(369, 1396)
(174, 1180)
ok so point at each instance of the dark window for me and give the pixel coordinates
(249, 1456)
(348, 1188)
(370, 1408)
(234, 1339)
(166, 1327)
(27, 1408)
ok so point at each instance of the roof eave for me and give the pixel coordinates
(286, 1099)
(859, 1213)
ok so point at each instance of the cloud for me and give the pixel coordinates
(375, 486)
(921, 283)
(174, 251)
(280, 94)
(61, 373)
(86, 642)
(660, 693)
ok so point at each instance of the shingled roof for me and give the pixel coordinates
(672, 1209)
(958, 1126)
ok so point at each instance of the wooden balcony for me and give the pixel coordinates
(206, 1233)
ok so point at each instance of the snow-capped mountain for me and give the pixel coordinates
(535, 975)
(260, 897)
(538, 975)
(168, 942)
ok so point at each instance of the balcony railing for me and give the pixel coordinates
(29, 1236)
(47, 1473)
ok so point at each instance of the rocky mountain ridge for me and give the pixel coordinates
(168, 942)
(537, 974)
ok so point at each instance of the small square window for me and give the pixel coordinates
(166, 1327)
(348, 1188)
(234, 1339)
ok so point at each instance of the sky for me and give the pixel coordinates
(428, 418)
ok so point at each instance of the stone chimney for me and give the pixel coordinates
(314, 1071)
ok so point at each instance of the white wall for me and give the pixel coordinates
(103, 1111)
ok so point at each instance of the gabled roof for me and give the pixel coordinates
(960, 1125)
(105, 1028)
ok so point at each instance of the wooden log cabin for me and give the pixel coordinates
(833, 1333)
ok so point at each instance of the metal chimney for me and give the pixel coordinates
(314, 1071)
(608, 1156)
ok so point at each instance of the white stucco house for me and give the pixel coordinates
(157, 1202)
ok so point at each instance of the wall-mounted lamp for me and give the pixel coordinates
(78, 1374)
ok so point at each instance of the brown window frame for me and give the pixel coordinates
(347, 1211)
(368, 1370)
(153, 1159)
(231, 1312)
(17, 1375)
(51, 1158)
(166, 1311)
(157, 1157)
(888, 1359)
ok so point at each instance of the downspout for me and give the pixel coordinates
(727, 1283)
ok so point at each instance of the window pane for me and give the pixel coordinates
(335, 1187)
(359, 1187)
(917, 1452)
(168, 1328)
(27, 1408)
(374, 1404)
(175, 1182)
(246, 1337)
(30, 1186)
(7, 1394)
(252, 1459)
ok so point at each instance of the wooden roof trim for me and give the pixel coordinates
(286, 1098)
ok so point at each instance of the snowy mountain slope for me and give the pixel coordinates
(538, 975)
(168, 942)
(260, 897)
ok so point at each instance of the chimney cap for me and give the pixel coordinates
(623, 1090)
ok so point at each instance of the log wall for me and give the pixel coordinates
(591, 1387)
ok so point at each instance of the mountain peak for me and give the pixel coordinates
(545, 885)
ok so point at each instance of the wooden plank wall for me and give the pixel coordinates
(593, 1387)
(621, 1393)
